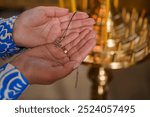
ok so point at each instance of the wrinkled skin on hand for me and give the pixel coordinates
(42, 25)
(47, 63)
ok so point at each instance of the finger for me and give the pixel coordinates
(77, 30)
(78, 23)
(77, 16)
(76, 48)
(69, 38)
(81, 54)
(76, 41)
(54, 11)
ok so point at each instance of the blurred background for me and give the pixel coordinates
(128, 83)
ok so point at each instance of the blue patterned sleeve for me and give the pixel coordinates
(7, 45)
(12, 82)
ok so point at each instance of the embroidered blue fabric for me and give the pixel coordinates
(12, 82)
(7, 45)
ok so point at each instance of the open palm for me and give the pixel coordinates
(46, 64)
(42, 25)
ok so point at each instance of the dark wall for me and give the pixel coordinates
(132, 83)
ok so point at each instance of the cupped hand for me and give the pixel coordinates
(47, 63)
(42, 25)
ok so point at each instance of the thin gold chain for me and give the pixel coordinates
(58, 42)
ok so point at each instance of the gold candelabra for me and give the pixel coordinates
(122, 41)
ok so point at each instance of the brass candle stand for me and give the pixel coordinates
(122, 41)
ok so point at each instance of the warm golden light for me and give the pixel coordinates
(73, 6)
(116, 3)
(100, 90)
(106, 18)
(84, 4)
(61, 3)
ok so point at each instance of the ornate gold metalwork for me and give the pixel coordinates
(120, 42)
(122, 39)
